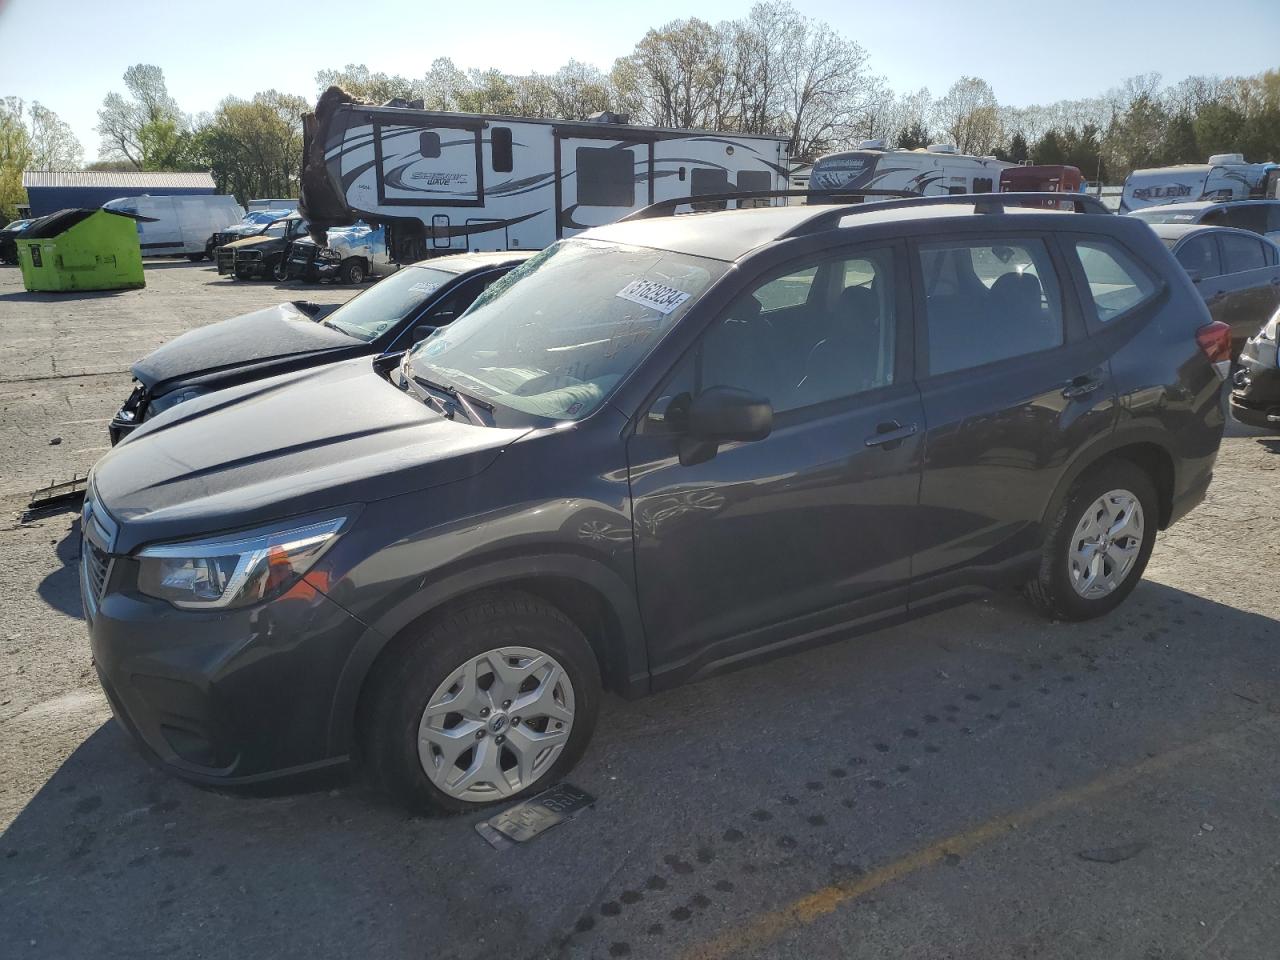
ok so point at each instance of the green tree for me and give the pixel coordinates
(1049, 148)
(32, 137)
(913, 137)
(254, 147)
(1018, 150)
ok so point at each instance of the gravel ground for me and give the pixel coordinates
(978, 784)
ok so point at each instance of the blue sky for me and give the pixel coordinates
(209, 51)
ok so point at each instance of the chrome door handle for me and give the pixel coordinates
(1081, 386)
(890, 432)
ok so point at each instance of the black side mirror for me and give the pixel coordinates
(723, 415)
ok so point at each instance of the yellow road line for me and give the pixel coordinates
(769, 926)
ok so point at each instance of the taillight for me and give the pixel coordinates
(1215, 340)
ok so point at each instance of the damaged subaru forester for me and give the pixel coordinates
(656, 450)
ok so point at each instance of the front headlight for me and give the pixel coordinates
(1272, 329)
(235, 570)
(166, 400)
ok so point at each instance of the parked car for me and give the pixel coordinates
(262, 255)
(1236, 272)
(178, 225)
(1256, 216)
(8, 239)
(389, 316)
(253, 224)
(1255, 392)
(351, 255)
(437, 562)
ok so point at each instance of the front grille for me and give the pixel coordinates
(226, 260)
(96, 564)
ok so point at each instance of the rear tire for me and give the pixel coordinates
(1089, 563)
(403, 723)
(195, 257)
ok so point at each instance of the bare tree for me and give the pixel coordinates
(121, 119)
(969, 116)
(825, 86)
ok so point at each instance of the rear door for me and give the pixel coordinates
(789, 537)
(600, 178)
(1011, 386)
(1249, 288)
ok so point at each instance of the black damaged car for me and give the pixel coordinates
(388, 317)
(659, 449)
(1255, 390)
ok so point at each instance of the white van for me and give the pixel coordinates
(178, 225)
(1227, 176)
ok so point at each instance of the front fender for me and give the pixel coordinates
(624, 659)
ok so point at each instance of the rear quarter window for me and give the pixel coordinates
(1117, 282)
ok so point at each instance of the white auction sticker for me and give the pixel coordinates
(655, 296)
(424, 286)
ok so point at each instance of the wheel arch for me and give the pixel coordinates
(1147, 451)
(595, 599)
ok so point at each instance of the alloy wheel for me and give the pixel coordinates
(1106, 544)
(496, 724)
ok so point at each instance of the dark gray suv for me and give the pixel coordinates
(659, 449)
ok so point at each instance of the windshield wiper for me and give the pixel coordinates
(461, 401)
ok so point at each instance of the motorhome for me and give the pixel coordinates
(938, 169)
(1225, 177)
(178, 225)
(448, 182)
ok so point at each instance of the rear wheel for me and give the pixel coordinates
(195, 257)
(489, 702)
(1098, 545)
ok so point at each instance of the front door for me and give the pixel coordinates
(790, 537)
(600, 180)
(1010, 385)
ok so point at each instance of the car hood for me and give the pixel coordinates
(248, 243)
(277, 332)
(322, 438)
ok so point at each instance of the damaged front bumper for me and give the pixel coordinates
(130, 415)
(1255, 388)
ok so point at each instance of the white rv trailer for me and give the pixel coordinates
(1225, 177)
(934, 171)
(448, 182)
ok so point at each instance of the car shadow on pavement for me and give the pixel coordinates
(871, 731)
(61, 588)
(48, 296)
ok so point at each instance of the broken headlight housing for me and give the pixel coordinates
(174, 397)
(1271, 331)
(235, 570)
(328, 254)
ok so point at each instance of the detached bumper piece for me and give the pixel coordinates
(60, 494)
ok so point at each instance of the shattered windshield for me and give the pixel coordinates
(555, 336)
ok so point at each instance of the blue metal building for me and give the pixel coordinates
(49, 191)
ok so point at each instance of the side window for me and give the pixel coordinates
(1199, 257)
(605, 177)
(1248, 216)
(814, 334)
(456, 303)
(1117, 282)
(1241, 253)
(989, 300)
(1273, 217)
(500, 143)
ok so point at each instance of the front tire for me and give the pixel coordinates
(351, 271)
(1099, 543)
(484, 703)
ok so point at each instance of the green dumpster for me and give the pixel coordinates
(81, 250)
